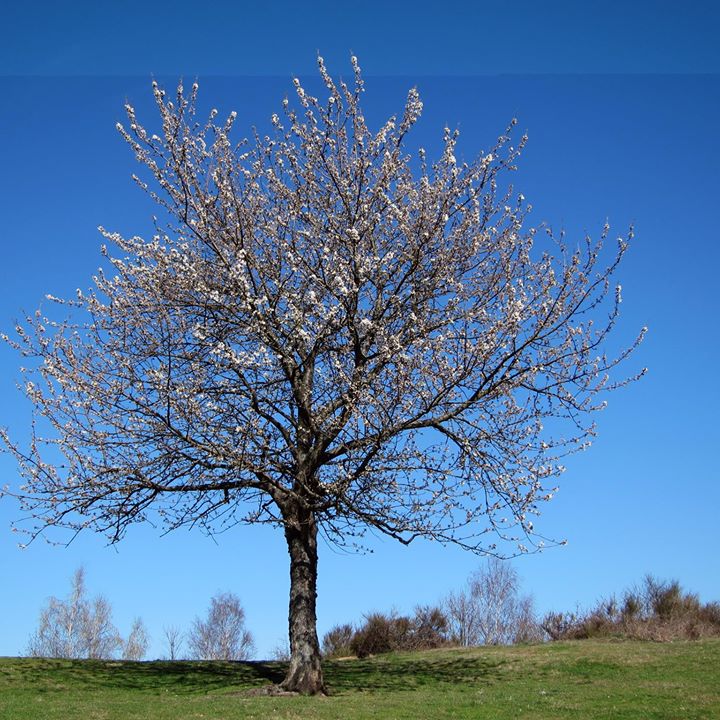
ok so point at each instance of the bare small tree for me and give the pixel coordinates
(60, 631)
(491, 611)
(326, 334)
(281, 651)
(102, 639)
(137, 642)
(462, 613)
(173, 641)
(222, 634)
(527, 625)
(77, 627)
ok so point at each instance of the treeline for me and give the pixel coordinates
(654, 610)
(491, 610)
(80, 627)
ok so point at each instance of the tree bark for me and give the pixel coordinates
(305, 672)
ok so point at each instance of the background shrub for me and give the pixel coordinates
(336, 641)
(379, 632)
(656, 610)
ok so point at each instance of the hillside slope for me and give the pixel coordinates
(583, 679)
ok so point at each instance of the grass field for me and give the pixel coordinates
(582, 679)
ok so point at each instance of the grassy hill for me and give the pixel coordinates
(582, 679)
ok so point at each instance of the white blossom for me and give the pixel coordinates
(327, 325)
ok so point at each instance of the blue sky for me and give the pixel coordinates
(622, 107)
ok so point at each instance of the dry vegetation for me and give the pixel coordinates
(656, 610)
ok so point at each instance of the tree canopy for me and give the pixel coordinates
(328, 333)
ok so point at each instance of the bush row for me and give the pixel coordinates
(380, 632)
(491, 611)
(655, 610)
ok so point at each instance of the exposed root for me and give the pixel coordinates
(270, 691)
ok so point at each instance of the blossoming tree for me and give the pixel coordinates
(327, 335)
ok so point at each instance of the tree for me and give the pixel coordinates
(491, 610)
(102, 640)
(281, 651)
(222, 635)
(173, 641)
(462, 615)
(137, 642)
(60, 628)
(327, 334)
(77, 627)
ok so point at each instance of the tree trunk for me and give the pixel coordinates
(305, 673)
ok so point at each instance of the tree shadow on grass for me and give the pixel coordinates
(47, 675)
(389, 673)
(393, 673)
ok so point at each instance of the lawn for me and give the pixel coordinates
(581, 679)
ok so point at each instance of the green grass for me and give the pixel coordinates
(583, 679)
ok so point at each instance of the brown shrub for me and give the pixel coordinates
(658, 611)
(381, 633)
(336, 641)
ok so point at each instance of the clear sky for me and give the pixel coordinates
(622, 106)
